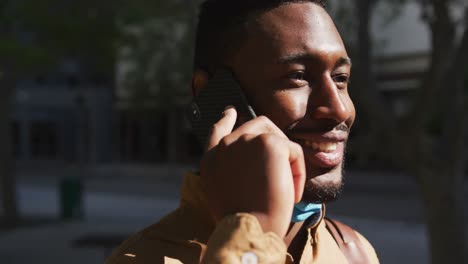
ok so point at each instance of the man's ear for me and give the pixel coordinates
(199, 81)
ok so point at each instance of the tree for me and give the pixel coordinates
(91, 32)
(155, 59)
(51, 34)
(7, 181)
(7, 81)
(155, 56)
(429, 142)
(440, 169)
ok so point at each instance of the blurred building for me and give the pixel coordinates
(66, 116)
(402, 50)
(67, 120)
(401, 53)
(152, 128)
(152, 93)
(154, 134)
(62, 117)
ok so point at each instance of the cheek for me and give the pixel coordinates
(287, 107)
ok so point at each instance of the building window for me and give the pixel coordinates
(44, 141)
(15, 139)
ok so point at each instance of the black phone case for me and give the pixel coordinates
(207, 107)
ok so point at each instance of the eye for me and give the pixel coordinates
(341, 79)
(295, 79)
(298, 76)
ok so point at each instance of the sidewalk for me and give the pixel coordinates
(125, 198)
(374, 192)
(395, 242)
(51, 240)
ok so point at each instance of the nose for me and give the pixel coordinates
(327, 101)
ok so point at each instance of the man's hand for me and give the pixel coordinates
(254, 169)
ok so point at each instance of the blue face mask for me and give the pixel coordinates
(304, 210)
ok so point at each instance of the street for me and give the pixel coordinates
(124, 200)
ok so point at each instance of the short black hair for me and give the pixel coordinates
(221, 27)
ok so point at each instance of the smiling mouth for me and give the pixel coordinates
(322, 153)
(327, 147)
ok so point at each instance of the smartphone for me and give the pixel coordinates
(207, 107)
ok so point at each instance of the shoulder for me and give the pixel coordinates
(351, 242)
(141, 249)
(368, 248)
(168, 241)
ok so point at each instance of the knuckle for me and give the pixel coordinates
(264, 119)
(297, 148)
(267, 124)
(295, 145)
(215, 127)
(266, 140)
(244, 138)
(224, 142)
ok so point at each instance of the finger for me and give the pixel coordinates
(257, 126)
(222, 128)
(297, 163)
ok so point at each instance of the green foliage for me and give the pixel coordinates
(26, 57)
(156, 55)
(390, 10)
(158, 61)
(154, 38)
(84, 29)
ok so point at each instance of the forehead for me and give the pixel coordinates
(294, 28)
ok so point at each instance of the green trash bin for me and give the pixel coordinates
(71, 198)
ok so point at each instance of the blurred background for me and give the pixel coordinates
(94, 140)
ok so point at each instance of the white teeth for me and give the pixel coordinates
(324, 147)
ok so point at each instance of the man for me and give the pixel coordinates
(294, 69)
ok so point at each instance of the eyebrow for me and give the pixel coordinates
(344, 61)
(301, 57)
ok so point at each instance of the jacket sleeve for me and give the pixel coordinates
(239, 238)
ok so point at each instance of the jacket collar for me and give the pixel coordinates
(191, 192)
(191, 222)
(192, 196)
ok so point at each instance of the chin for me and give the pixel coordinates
(323, 185)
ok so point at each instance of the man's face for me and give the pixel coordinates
(294, 69)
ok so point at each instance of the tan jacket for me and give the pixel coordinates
(190, 235)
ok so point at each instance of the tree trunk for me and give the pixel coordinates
(8, 209)
(370, 107)
(444, 195)
(438, 169)
(7, 178)
(444, 215)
